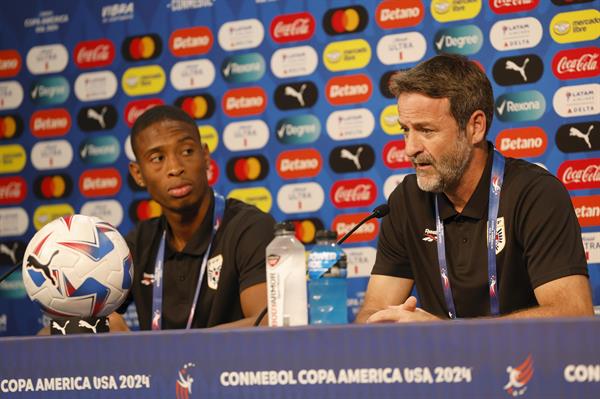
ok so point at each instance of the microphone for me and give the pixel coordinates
(379, 212)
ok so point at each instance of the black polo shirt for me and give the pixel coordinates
(539, 241)
(236, 262)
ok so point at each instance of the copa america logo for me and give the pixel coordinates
(183, 386)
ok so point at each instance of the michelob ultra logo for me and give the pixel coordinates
(260, 197)
(246, 135)
(344, 223)
(298, 129)
(247, 168)
(295, 164)
(47, 213)
(294, 61)
(197, 40)
(10, 63)
(513, 34)
(292, 27)
(11, 95)
(53, 186)
(50, 123)
(243, 68)
(99, 150)
(388, 119)
(466, 39)
(12, 158)
(577, 100)
(11, 126)
(587, 209)
(454, 10)
(144, 80)
(144, 209)
(577, 63)
(524, 142)
(347, 55)
(348, 89)
(360, 261)
(141, 47)
(94, 86)
(350, 124)
(396, 14)
(13, 190)
(134, 109)
(209, 136)
(13, 221)
(199, 106)
(580, 174)
(94, 53)
(51, 154)
(401, 48)
(50, 90)
(575, 26)
(195, 74)
(300, 198)
(244, 101)
(339, 21)
(50, 58)
(521, 106)
(509, 6)
(100, 182)
(110, 211)
(242, 34)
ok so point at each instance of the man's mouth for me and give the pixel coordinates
(180, 191)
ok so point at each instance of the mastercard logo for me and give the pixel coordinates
(250, 168)
(143, 47)
(144, 209)
(339, 21)
(306, 229)
(201, 106)
(11, 126)
(53, 186)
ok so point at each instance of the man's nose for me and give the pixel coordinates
(413, 145)
(175, 166)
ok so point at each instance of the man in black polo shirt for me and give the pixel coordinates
(202, 263)
(436, 233)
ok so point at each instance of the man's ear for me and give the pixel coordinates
(476, 127)
(136, 173)
(206, 155)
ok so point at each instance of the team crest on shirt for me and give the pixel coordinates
(213, 271)
(430, 235)
(500, 235)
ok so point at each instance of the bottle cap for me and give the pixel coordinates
(284, 226)
(325, 235)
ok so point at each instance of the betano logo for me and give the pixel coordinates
(350, 124)
(110, 211)
(306, 229)
(260, 197)
(51, 154)
(10, 63)
(50, 58)
(294, 61)
(50, 123)
(100, 182)
(46, 213)
(243, 68)
(300, 198)
(343, 20)
(53, 186)
(347, 55)
(296, 164)
(209, 136)
(510, 6)
(199, 106)
(98, 150)
(134, 109)
(12, 158)
(195, 74)
(94, 53)
(186, 42)
(576, 63)
(401, 48)
(11, 126)
(523, 142)
(247, 168)
(94, 86)
(141, 47)
(292, 27)
(140, 81)
(344, 223)
(394, 155)
(349, 89)
(240, 35)
(587, 209)
(144, 209)
(246, 135)
(466, 40)
(514, 34)
(580, 100)
(298, 129)
(521, 106)
(575, 26)
(244, 101)
(397, 14)
(11, 95)
(450, 10)
(50, 90)
(388, 119)
(580, 174)
(13, 190)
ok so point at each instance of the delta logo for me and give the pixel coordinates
(186, 42)
(587, 209)
(55, 186)
(243, 68)
(521, 106)
(511, 6)
(450, 10)
(350, 124)
(349, 89)
(514, 34)
(241, 34)
(580, 100)
(347, 55)
(50, 90)
(11, 126)
(10, 63)
(294, 61)
(247, 168)
(351, 158)
(300, 198)
(141, 47)
(50, 123)
(353, 193)
(140, 81)
(339, 21)
(110, 210)
(580, 174)
(50, 58)
(98, 117)
(296, 95)
(297, 164)
(394, 155)
(100, 182)
(519, 69)
(245, 101)
(11, 95)
(13, 190)
(292, 27)
(397, 14)
(260, 197)
(465, 40)
(298, 129)
(94, 53)
(576, 63)
(342, 224)
(306, 229)
(14, 221)
(212, 173)
(135, 109)
(575, 26)
(578, 137)
(401, 48)
(199, 106)
(525, 142)
(145, 209)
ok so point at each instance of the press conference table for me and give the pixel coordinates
(557, 358)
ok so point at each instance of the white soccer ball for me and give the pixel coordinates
(78, 266)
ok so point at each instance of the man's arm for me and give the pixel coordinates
(254, 300)
(382, 292)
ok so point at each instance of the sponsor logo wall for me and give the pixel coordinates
(291, 99)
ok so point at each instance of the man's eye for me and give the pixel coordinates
(188, 151)
(156, 158)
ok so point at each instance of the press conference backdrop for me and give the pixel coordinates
(290, 97)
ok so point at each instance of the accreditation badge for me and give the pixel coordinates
(213, 271)
(500, 235)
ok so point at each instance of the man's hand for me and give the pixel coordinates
(406, 312)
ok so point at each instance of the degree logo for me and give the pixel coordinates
(296, 95)
(519, 69)
(141, 47)
(185, 42)
(11, 95)
(394, 155)
(578, 137)
(349, 89)
(200, 106)
(144, 209)
(396, 14)
(306, 229)
(50, 123)
(134, 109)
(466, 40)
(50, 90)
(292, 27)
(527, 142)
(11, 126)
(140, 81)
(450, 10)
(243, 68)
(247, 168)
(576, 63)
(352, 158)
(12, 158)
(260, 197)
(509, 6)
(344, 20)
(47, 213)
(100, 182)
(344, 223)
(244, 101)
(49, 58)
(10, 63)
(98, 117)
(296, 164)
(53, 186)
(575, 26)
(13, 190)
(347, 55)
(94, 53)
(298, 129)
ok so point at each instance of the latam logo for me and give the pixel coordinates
(466, 40)
(53, 186)
(51, 58)
(186, 42)
(101, 150)
(12, 158)
(141, 47)
(11, 126)
(575, 26)
(521, 106)
(394, 155)
(591, 246)
(298, 129)
(580, 100)
(397, 14)
(50, 90)
(297, 164)
(11, 95)
(245, 101)
(352, 158)
(300, 198)
(212, 173)
(294, 61)
(350, 124)
(576, 63)
(13, 221)
(144, 209)
(50, 123)
(240, 35)
(580, 174)
(50, 155)
(524, 142)
(391, 183)
(195, 74)
(449, 10)
(260, 197)
(514, 34)
(587, 209)
(199, 106)
(246, 135)
(401, 48)
(46, 213)
(243, 68)
(134, 109)
(388, 119)
(100, 182)
(94, 53)
(578, 137)
(342, 224)
(10, 63)
(110, 211)
(353, 193)
(144, 80)
(98, 117)
(306, 229)
(295, 27)
(13, 190)
(519, 69)
(348, 89)
(347, 55)
(93, 86)
(247, 168)
(296, 95)
(339, 21)
(510, 6)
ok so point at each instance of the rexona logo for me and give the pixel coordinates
(292, 27)
(12, 158)
(296, 95)
(306, 229)
(351, 158)
(144, 80)
(578, 100)
(144, 209)
(348, 89)
(396, 14)
(294, 61)
(260, 197)
(577, 63)
(300, 198)
(94, 86)
(347, 55)
(94, 53)
(578, 137)
(247, 168)
(298, 129)
(344, 223)
(388, 119)
(11, 126)
(575, 26)
(243, 68)
(141, 47)
(350, 124)
(394, 155)
(10, 63)
(296, 164)
(513, 34)
(509, 6)
(46, 213)
(521, 106)
(587, 209)
(465, 40)
(134, 109)
(196, 74)
(353, 193)
(50, 123)
(50, 90)
(13, 190)
(242, 34)
(99, 150)
(580, 174)
(244, 101)
(100, 182)
(525, 142)
(53, 154)
(110, 211)
(11, 95)
(13, 221)
(199, 106)
(98, 117)
(451, 10)
(51, 58)
(518, 69)
(401, 48)
(185, 42)
(53, 186)
(339, 21)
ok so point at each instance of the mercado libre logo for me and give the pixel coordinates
(142, 47)
(575, 26)
(448, 10)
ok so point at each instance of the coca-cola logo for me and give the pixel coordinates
(353, 193)
(510, 6)
(13, 190)
(576, 63)
(100, 182)
(292, 27)
(297, 164)
(344, 223)
(580, 174)
(394, 156)
(94, 53)
(134, 109)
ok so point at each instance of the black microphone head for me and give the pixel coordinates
(381, 211)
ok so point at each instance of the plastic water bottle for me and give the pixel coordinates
(327, 285)
(286, 279)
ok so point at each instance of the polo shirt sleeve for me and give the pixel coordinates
(250, 255)
(130, 240)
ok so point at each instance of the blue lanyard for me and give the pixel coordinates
(157, 288)
(494, 200)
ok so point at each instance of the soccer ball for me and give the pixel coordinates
(77, 266)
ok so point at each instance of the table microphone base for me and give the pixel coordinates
(79, 325)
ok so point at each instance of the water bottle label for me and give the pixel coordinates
(321, 260)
